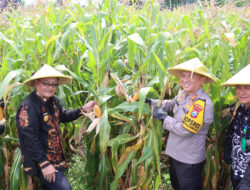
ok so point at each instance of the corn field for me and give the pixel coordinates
(114, 53)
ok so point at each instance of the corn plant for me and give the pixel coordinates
(115, 53)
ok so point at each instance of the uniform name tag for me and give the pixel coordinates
(195, 116)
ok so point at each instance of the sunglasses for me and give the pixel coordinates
(46, 84)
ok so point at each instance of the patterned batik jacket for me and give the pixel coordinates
(40, 137)
(238, 129)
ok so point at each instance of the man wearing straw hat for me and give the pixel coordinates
(38, 122)
(237, 143)
(193, 114)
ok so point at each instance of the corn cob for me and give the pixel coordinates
(1, 113)
(98, 111)
(135, 97)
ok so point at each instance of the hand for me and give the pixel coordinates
(49, 173)
(89, 106)
(148, 101)
(160, 113)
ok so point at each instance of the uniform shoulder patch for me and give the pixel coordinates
(193, 120)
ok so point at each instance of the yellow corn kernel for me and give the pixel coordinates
(1, 113)
(135, 97)
(98, 111)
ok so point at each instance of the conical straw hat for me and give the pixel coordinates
(193, 65)
(46, 72)
(240, 78)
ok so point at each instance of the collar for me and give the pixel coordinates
(194, 95)
(245, 109)
(41, 97)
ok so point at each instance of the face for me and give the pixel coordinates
(46, 87)
(191, 85)
(243, 94)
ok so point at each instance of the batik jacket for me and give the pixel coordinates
(40, 136)
(234, 152)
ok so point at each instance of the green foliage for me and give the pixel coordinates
(75, 174)
(133, 47)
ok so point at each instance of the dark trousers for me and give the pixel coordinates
(61, 182)
(245, 181)
(235, 179)
(186, 176)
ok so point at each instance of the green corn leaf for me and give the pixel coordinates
(11, 43)
(15, 171)
(142, 94)
(2, 162)
(10, 76)
(121, 139)
(136, 39)
(121, 170)
(158, 61)
(104, 130)
(130, 107)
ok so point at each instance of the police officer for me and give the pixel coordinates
(38, 122)
(2, 119)
(237, 142)
(193, 114)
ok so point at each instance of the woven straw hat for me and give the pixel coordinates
(46, 72)
(193, 65)
(240, 78)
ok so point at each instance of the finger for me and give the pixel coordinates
(46, 178)
(49, 178)
(92, 103)
(54, 177)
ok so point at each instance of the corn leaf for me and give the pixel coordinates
(15, 170)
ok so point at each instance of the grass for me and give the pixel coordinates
(75, 173)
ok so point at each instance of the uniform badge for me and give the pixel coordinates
(194, 114)
(193, 120)
(45, 118)
(196, 109)
(188, 106)
(180, 97)
(175, 107)
(193, 97)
